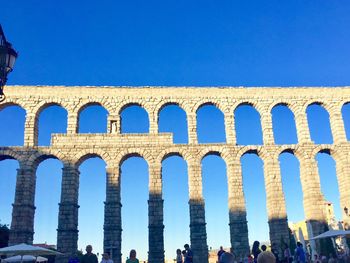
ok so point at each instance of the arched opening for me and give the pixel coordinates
(92, 119)
(215, 193)
(284, 129)
(47, 197)
(52, 119)
(172, 118)
(210, 124)
(255, 197)
(329, 185)
(292, 189)
(134, 198)
(134, 119)
(319, 125)
(176, 212)
(92, 194)
(346, 119)
(248, 125)
(14, 116)
(8, 174)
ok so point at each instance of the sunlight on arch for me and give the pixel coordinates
(134, 199)
(92, 118)
(346, 119)
(8, 174)
(172, 118)
(176, 211)
(47, 198)
(248, 125)
(134, 119)
(210, 124)
(292, 188)
(92, 195)
(51, 119)
(284, 129)
(215, 193)
(329, 180)
(255, 197)
(13, 117)
(319, 125)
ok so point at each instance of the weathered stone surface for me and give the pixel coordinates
(113, 147)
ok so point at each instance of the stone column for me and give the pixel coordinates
(337, 126)
(192, 128)
(22, 225)
(112, 221)
(198, 233)
(230, 128)
(276, 207)
(343, 174)
(155, 215)
(153, 122)
(313, 198)
(72, 123)
(237, 210)
(67, 231)
(267, 130)
(302, 126)
(30, 130)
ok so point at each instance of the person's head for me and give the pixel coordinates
(178, 251)
(299, 244)
(187, 246)
(263, 247)
(266, 257)
(255, 245)
(132, 254)
(105, 255)
(226, 257)
(221, 248)
(88, 249)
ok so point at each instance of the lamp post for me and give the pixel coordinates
(7, 59)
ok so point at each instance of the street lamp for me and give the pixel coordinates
(7, 59)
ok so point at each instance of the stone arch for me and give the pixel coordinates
(292, 125)
(168, 102)
(106, 106)
(210, 102)
(133, 103)
(344, 109)
(20, 114)
(251, 103)
(170, 153)
(326, 123)
(146, 155)
(9, 154)
(87, 154)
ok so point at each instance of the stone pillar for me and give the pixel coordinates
(72, 123)
(237, 210)
(230, 128)
(155, 215)
(302, 126)
(276, 207)
(67, 231)
(192, 128)
(267, 130)
(112, 221)
(343, 174)
(337, 126)
(313, 198)
(153, 122)
(30, 130)
(22, 225)
(198, 233)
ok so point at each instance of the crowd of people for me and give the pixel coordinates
(258, 254)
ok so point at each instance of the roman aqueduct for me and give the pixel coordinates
(113, 147)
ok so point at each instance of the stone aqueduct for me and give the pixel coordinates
(113, 147)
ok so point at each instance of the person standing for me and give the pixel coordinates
(256, 250)
(220, 252)
(178, 256)
(300, 253)
(106, 258)
(89, 257)
(189, 254)
(132, 257)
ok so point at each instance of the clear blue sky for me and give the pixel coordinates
(182, 43)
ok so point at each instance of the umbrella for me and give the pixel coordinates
(332, 233)
(25, 258)
(24, 249)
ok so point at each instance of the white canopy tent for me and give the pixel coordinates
(25, 258)
(332, 233)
